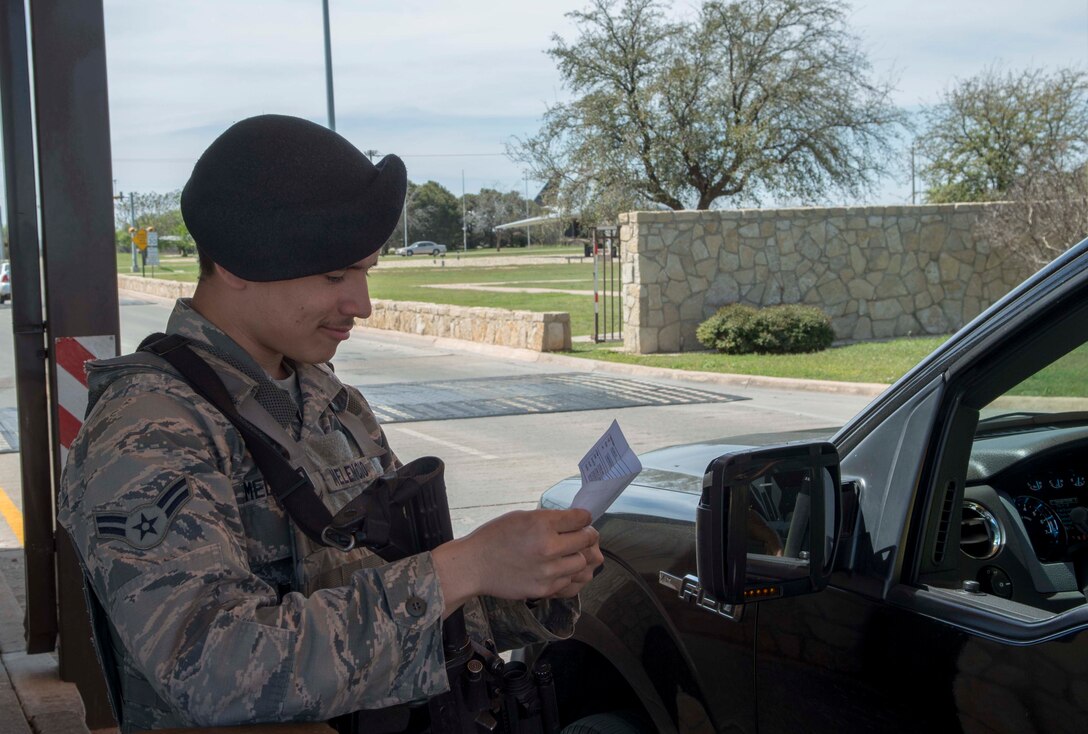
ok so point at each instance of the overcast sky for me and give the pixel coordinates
(447, 84)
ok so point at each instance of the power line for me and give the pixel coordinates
(400, 155)
(451, 155)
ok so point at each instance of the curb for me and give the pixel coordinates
(50, 705)
(592, 365)
(43, 703)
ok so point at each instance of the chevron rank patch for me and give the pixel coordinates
(145, 526)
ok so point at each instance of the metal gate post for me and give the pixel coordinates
(606, 256)
(78, 251)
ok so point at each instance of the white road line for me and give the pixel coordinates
(442, 442)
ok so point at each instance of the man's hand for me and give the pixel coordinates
(520, 555)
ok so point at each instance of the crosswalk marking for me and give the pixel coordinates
(525, 394)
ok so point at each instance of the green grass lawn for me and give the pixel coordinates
(170, 267)
(1063, 378)
(536, 250)
(411, 284)
(884, 361)
(879, 362)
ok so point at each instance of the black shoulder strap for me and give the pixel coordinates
(291, 487)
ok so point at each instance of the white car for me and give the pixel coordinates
(5, 282)
(424, 248)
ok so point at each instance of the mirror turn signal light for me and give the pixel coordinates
(762, 592)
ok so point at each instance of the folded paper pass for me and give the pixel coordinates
(606, 470)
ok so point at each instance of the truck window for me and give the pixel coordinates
(1009, 503)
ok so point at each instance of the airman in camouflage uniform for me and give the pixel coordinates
(220, 610)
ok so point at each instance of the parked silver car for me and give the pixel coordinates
(5, 282)
(423, 248)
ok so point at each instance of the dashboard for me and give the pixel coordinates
(1024, 531)
(1046, 492)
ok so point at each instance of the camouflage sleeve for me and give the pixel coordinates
(148, 501)
(514, 624)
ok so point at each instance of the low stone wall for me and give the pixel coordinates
(542, 332)
(155, 286)
(878, 272)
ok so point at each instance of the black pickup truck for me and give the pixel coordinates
(923, 568)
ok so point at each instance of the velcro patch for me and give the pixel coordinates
(147, 525)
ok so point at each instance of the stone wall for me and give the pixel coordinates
(876, 271)
(542, 332)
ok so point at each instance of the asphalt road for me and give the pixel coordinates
(496, 463)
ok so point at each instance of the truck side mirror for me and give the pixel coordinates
(768, 522)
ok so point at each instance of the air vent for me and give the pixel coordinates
(943, 523)
(981, 535)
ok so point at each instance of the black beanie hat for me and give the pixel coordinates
(277, 197)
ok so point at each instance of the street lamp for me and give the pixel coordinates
(328, 68)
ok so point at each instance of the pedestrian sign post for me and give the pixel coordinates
(139, 237)
(152, 249)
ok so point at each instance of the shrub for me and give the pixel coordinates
(786, 329)
(729, 330)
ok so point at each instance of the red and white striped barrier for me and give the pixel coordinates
(72, 352)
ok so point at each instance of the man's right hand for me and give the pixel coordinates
(532, 554)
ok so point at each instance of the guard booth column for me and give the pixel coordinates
(68, 60)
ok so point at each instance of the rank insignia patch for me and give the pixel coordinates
(145, 526)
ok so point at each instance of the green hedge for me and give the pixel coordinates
(786, 329)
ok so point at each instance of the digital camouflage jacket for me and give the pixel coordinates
(221, 612)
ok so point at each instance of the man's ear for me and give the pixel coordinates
(229, 279)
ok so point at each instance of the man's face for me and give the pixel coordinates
(306, 319)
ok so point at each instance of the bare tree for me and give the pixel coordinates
(1045, 214)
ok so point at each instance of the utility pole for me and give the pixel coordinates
(464, 222)
(132, 214)
(528, 228)
(132, 227)
(912, 188)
